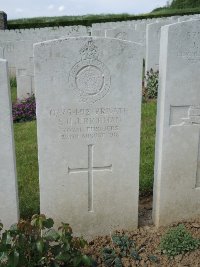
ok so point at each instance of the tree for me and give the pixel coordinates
(181, 4)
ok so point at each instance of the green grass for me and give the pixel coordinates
(27, 167)
(13, 86)
(27, 162)
(148, 129)
(13, 94)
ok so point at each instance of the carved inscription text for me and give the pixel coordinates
(88, 123)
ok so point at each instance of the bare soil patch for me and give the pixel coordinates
(145, 211)
(147, 238)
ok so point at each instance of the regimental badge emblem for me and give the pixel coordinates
(90, 78)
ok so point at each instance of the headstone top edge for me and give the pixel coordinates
(187, 22)
(2, 60)
(165, 23)
(60, 40)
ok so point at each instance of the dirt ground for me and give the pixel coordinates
(147, 239)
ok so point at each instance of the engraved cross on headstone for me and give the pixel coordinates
(187, 115)
(90, 169)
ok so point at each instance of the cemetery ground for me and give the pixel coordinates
(146, 239)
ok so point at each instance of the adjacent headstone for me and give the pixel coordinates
(141, 28)
(8, 39)
(24, 69)
(24, 55)
(127, 34)
(99, 26)
(185, 18)
(153, 32)
(98, 32)
(9, 55)
(3, 20)
(88, 93)
(177, 167)
(8, 190)
(1, 52)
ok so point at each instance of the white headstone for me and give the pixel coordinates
(24, 55)
(153, 32)
(184, 18)
(8, 38)
(8, 189)
(1, 52)
(88, 93)
(98, 26)
(98, 32)
(9, 55)
(24, 68)
(127, 34)
(177, 167)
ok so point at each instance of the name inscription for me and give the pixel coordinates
(89, 123)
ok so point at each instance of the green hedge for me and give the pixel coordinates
(88, 20)
(185, 4)
(176, 12)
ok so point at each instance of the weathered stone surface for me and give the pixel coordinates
(9, 55)
(24, 56)
(103, 26)
(127, 34)
(185, 18)
(98, 32)
(8, 190)
(9, 38)
(153, 32)
(24, 68)
(1, 52)
(88, 93)
(177, 167)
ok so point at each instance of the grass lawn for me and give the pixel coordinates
(13, 94)
(27, 164)
(147, 146)
(27, 167)
(13, 89)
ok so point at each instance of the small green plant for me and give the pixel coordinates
(36, 243)
(151, 85)
(123, 246)
(13, 82)
(178, 241)
(111, 258)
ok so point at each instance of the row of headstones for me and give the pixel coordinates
(147, 33)
(18, 51)
(18, 45)
(88, 99)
